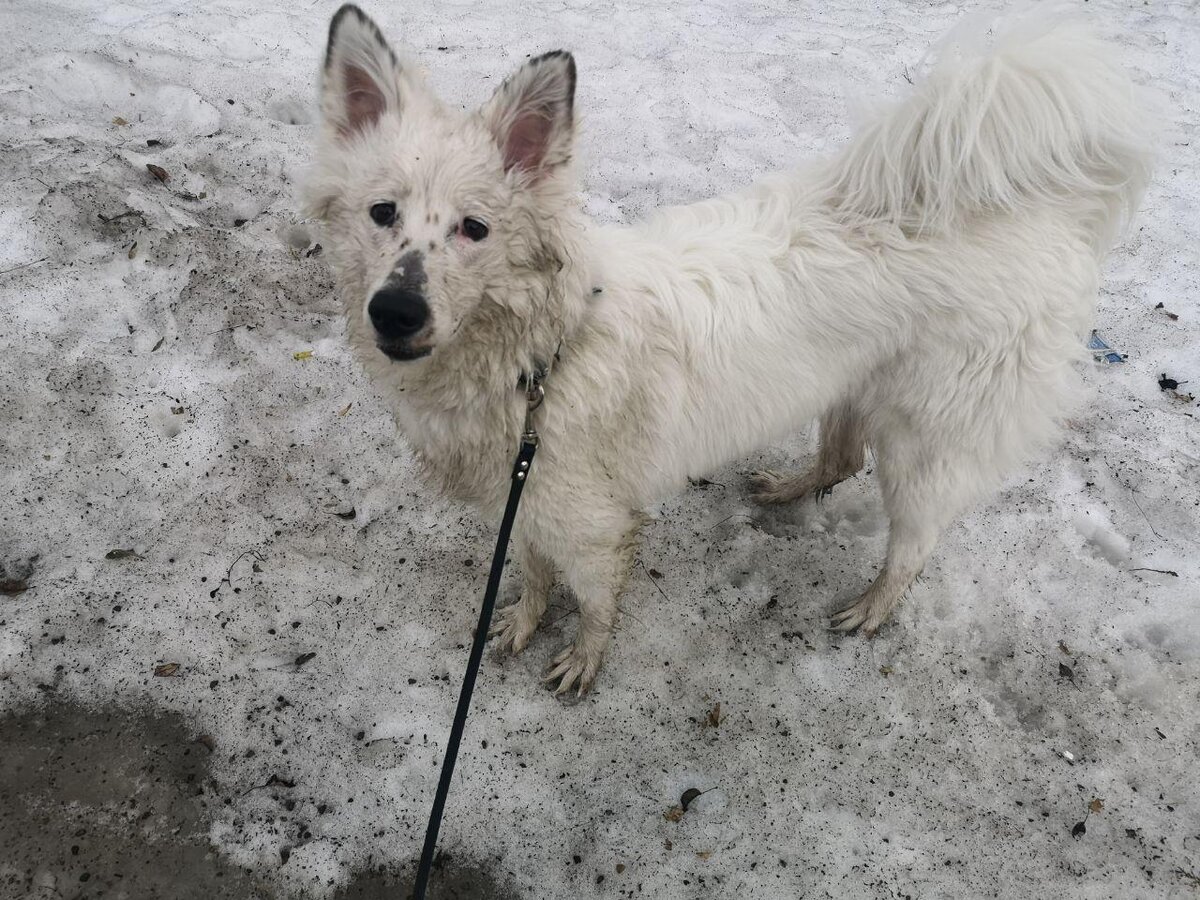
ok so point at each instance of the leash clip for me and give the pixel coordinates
(534, 395)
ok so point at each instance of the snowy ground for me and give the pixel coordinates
(152, 403)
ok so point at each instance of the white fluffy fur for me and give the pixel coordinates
(925, 292)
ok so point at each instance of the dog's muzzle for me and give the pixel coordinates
(399, 315)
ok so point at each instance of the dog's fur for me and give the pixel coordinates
(925, 292)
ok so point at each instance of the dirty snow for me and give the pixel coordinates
(153, 402)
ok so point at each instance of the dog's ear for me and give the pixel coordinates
(362, 78)
(532, 115)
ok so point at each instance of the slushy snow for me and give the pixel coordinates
(176, 384)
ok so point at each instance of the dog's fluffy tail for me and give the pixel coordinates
(1044, 116)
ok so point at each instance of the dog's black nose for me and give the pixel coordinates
(397, 313)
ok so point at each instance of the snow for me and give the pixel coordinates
(152, 402)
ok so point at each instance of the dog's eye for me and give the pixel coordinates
(383, 214)
(474, 229)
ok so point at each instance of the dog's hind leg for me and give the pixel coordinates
(515, 624)
(597, 572)
(924, 488)
(841, 455)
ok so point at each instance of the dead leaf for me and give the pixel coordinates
(1065, 671)
(654, 573)
(159, 172)
(345, 409)
(118, 121)
(1170, 315)
(347, 515)
(620, 868)
(159, 344)
(713, 719)
(667, 845)
(166, 670)
(1079, 829)
(1064, 648)
(121, 554)
(132, 250)
(674, 814)
(885, 671)
(1096, 805)
(688, 796)
(207, 741)
(704, 854)
(303, 658)
(302, 354)
(12, 586)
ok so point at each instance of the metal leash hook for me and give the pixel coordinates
(534, 395)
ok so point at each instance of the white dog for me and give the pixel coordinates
(925, 292)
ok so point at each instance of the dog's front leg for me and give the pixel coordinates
(516, 623)
(596, 571)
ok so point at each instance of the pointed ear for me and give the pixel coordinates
(532, 115)
(362, 76)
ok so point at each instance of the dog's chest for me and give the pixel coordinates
(466, 453)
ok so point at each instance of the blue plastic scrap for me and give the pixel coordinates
(1097, 343)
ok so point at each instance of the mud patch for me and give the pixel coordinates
(452, 880)
(118, 803)
(108, 803)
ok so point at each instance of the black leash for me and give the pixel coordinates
(529, 444)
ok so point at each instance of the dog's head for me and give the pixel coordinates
(431, 212)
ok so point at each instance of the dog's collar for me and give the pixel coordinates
(535, 376)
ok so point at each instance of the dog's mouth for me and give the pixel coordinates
(403, 351)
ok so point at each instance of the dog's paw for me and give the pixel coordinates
(770, 487)
(864, 615)
(767, 487)
(512, 627)
(574, 667)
